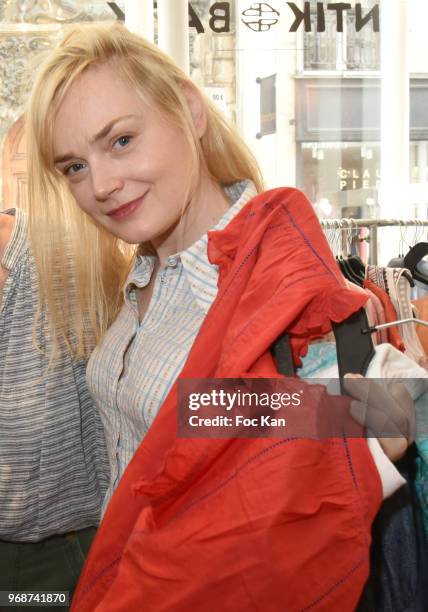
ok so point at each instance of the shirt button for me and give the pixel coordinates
(172, 261)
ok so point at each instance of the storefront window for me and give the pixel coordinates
(351, 87)
(309, 84)
(346, 50)
(341, 179)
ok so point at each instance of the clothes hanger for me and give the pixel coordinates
(409, 277)
(354, 349)
(398, 261)
(351, 266)
(355, 262)
(374, 328)
(413, 257)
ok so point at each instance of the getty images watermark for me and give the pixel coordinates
(237, 403)
(228, 408)
(287, 407)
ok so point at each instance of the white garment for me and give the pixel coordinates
(390, 363)
(390, 477)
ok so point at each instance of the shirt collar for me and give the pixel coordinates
(204, 284)
(201, 274)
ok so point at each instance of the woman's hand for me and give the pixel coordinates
(387, 411)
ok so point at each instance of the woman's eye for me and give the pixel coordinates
(122, 142)
(73, 168)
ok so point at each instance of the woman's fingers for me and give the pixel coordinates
(386, 410)
(390, 408)
(407, 411)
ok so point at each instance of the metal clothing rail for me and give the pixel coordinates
(349, 224)
(346, 224)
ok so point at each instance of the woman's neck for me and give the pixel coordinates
(205, 209)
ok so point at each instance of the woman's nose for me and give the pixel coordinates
(105, 182)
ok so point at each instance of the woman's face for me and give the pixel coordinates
(126, 165)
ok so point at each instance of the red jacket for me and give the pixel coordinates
(203, 525)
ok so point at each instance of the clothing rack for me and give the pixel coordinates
(349, 224)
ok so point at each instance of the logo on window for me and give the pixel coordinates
(260, 17)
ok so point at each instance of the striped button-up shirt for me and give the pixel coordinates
(53, 464)
(134, 367)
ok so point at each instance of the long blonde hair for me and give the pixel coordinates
(82, 267)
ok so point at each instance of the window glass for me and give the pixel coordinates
(331, 99)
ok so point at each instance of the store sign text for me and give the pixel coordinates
(354, 179)
(261, 16)
(219, 21)
(304, 16)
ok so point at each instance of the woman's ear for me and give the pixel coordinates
(196, 106)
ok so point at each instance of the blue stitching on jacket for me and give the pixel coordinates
(107, 568)
(236, 473)
(336, 584)
(308, 243)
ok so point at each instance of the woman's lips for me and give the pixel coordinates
(126, 209)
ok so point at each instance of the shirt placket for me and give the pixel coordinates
(160, 294)
(120, 433)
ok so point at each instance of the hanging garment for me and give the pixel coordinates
(394, 337)
(376, 274)
(399, 553)
(421, 479)
(381, 334)
(369, 307)
(363, 244)
(236, 524)
(399, 292)
(372, 315)
(320, 361)
(422, 331)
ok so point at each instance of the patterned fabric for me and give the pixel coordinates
(377, 275)
(399, 292)
(421, 307)
(320, 361)
(422, 459)
(53, 465)
(393, 334)
(396, 285)
(381, 334)
(135, 365)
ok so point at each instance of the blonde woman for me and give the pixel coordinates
(124, 150)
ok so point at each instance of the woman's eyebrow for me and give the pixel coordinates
(108, 127)
(98, 136)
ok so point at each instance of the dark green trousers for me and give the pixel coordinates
(53, 564)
